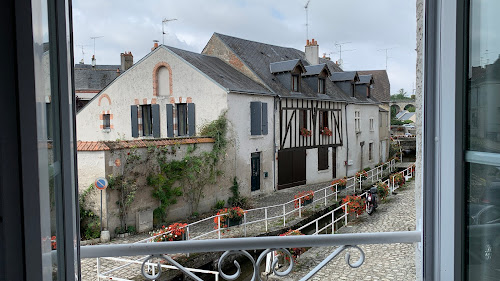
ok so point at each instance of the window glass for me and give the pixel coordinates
(182, 119)
(147, 128)
(106, 120)
(482, 247)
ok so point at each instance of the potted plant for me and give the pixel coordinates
(382, 190)
(355, 204)
(174, 232)
(296, 252)
(305, 132)
(398, 179)
(326, 132)
(363, 175)
(341, 183)
(306, 198)
(229, 217)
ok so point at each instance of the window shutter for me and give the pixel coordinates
(191, 119)
(322, 158)
(170, 120)
(264, 118)
(255, 118)
(155, 112)
(134, 121)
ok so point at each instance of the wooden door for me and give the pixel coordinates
(291, 168)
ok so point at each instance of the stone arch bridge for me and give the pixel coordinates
(401, 104)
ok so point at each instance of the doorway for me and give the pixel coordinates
(255, 162)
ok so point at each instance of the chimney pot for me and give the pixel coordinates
(312, 52)
(307, 43)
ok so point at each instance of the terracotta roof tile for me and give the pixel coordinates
(101, 145)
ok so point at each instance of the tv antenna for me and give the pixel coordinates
(83, 52)
(163, 22)
(94, 38)
(307, 18)
(339, 45)
(386, 55)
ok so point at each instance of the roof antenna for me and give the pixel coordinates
(163, 22)
(94, 38)
(386, 55)
(307, 18)
(83, 53)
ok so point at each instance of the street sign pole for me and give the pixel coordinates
(101, 184)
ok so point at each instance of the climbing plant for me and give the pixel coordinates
(189, 175)
(89, 222)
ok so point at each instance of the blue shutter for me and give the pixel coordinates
(264, 118)
(191, 119)
(255, 118)
(155, 112)
(170, 120)
(134, 121)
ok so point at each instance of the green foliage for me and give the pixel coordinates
(410, 108)
(401, 95)
(192, 173)
(367, 169)
(219, 204)
(90, 226)
(237, 200)
(127, 189)
(397, 122)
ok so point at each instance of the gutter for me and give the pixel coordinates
(347, 141)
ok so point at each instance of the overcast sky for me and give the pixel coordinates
(368, 25)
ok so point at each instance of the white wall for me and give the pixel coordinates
(312, 174)
(137, 83)
(243, 143)
(367, 111)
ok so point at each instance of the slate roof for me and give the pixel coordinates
(343, 76)
(94, 78)
(221, 72)
(316, 69)
(365, 79)
(381, 86)
(258, 56)
(406, 116)
(285, 66)
(399, 114)
(487, 74)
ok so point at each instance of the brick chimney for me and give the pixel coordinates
(312, 52)
(127, 60)
(155, 45)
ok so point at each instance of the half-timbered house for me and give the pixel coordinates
(315, 116)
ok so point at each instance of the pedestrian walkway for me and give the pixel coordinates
(382, 261)
(89, 266)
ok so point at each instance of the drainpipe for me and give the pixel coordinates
(276, 98)
(347, 141)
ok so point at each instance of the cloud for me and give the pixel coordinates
(368, 25)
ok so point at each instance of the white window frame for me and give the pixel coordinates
(357, 121)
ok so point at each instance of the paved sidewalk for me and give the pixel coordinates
(89, 266)
(382, 262)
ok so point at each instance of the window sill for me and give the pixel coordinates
(106, 130)
(256, 136)
(324, 171)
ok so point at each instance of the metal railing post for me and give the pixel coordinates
(325, 196)
(317, 227)
(245, 224)
(333, 222)
(98, 269)
(218, 226)
(284, 215)
(336, 192)
(265, 214)
(187, 235)
(345, 215)
(300, 207)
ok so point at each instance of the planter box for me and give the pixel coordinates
(233, 222)
(307, 202)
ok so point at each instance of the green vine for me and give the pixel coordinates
(89, 222)
(192, 173)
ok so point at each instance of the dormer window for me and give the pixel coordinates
(295, 83)
(321, 85)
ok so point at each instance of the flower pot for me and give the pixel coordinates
(307, 202)
(233, 222)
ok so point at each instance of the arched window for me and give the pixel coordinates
(163, 82)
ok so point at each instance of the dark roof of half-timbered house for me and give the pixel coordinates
(259, 56)
(286, 66)
(381, 86)
(316, 69)
(365, 79)
(344, 76)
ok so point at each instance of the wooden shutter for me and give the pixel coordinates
(191, 119)
(322, 158)
(170, 120)
(134, 121)
(264, 118)
(155, 112)
(255, 118)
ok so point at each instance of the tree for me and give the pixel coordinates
(401, 95)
